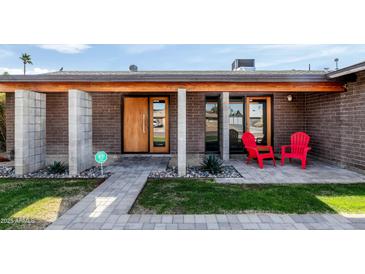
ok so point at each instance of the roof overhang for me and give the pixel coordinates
(347, 71)
(170, 81)
(171, 76)
(262, 87)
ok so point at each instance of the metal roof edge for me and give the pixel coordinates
(346, 70)
(135, 77)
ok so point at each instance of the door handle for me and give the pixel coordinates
(143, 123)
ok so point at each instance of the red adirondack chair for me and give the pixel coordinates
(298, 148)
(253, 150)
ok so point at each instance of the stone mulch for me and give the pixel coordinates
(94, 172)
(196, 172)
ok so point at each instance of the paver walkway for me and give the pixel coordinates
(108, 205)
(214, 222)
(316, 172)
(112, 198)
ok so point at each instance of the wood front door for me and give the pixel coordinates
(135, 124)
(146, 125)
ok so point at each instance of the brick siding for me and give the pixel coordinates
(336, 124)
(57, 123)
(195, 122)
(107, 125)
(288, 117)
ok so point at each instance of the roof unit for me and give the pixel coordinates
(243, 64)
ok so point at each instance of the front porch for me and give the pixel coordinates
(317, 172)
(71, 126)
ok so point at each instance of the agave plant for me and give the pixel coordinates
(212, 164)
(57, 168)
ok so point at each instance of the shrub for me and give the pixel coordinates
(212, 164)
(57, 168)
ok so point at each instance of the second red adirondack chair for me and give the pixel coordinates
(299, 148)
(248, 139)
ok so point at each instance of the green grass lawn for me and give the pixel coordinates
(35, 203)
(189, 196)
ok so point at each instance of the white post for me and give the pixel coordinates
(30, 131)
(181, 131)
(80, 153)
(224, 126)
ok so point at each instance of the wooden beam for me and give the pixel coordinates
(173, 86)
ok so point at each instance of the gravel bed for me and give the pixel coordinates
(197, 172)
(94, 172)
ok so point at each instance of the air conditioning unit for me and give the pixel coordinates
(243, 64)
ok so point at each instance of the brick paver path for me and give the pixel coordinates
(316, 172)
(213, 222)
(108, 205)
(114, 197)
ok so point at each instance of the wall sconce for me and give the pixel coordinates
(290, 98)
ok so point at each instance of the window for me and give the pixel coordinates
(236, 122)
(211, 125)
(159, 123)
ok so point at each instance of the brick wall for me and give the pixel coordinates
(336, 124)
(195, 120)
(57, 123)
(107, 124)
(288, 117)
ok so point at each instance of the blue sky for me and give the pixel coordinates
(176, 57)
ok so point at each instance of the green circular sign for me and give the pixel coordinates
(101, 157)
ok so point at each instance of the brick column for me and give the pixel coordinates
(80, 155)
(181, 131)
(224, 125)
(30, 131)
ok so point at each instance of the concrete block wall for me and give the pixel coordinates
(9, 120)
(30, 131)
(173, 123)
(80, 131)
(181, 132)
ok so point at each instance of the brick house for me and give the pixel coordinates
(68, 116)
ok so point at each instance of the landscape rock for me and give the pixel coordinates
(197, 172)
(94, 172)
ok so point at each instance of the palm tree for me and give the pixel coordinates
(26, 60)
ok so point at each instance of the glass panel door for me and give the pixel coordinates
(159, 137)
(258, 119)
(211, 125)
(236, 123)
